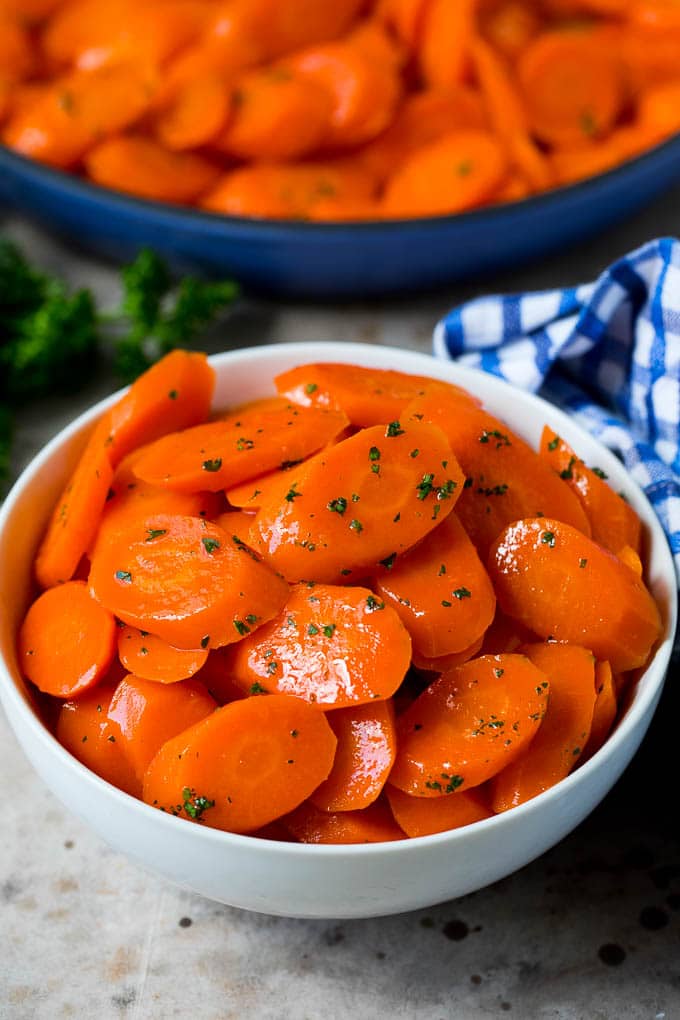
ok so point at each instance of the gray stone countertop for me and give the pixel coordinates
(590, 931)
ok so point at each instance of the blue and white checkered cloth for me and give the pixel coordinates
(606, 352)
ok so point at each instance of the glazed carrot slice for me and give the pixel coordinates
(445, 35)
(658, 109)
(139, 165)
(423, 816)
(237, 525)
(575, 163)
(468, 725)
(68, 118)
(368, 396)
(241, 446)
(631, 558)
(510, 26)
(371, 38)
(373, 824)
(74, 520)
(572, 86)
(505, 478)
(363, 759)
(557, 746)
(422, 118)
(278, 114)
(16, 55)
(245, 765)
(363, 94)
(649, 55)
(288, 190)
(661, 14)
(442, 663)
(215, 675)
(173, 394)
(145, 715)
(67, 641)
(505, 635)
(84, 729)
(195, 112)
(555, 581)
(441, 591)
(459, 171)
(151, 658)
(333, 646)
(355, 504)
(185, 580)
(613, 522)
(604, 713)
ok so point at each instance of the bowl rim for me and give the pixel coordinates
(213, 221)
(348, 352)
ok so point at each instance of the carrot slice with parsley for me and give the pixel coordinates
(173, 394)
(460, 171)
(151, 658)
(241, 446)
(572, 86)
(442, 663)
(144, 715)
(363, 759)
(195, 112)
(441, 591)
(613, 522)
(445, 35)
(555, 581)
(604, 713)
(84, 729)
(185, 580)
(423, 816)
(137, 164)
(67, 641)
(505, 479)
(357, 503)
(557, 746)
(332, 646)
(75, 518)
(374, 824)
(368, 396)
(468, 725)
(245, 765)
(278, 114)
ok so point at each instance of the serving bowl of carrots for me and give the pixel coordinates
(305, 147)
(296, 628)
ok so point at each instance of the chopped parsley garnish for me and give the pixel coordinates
(582, 562)
(172, 394)
(374, 453)
(155, 533)
(394, 429)
(373, 604)
(356, 525)
(452, 782)
(500, 437)
(568, 471)
(251, 618)
(494, 490)
(337, 506)
(312, 629)
(205, 641)
(310, 388)
(292, 494)
(414, 453)
(499, 673)
(124, 575)
(195, 806)
(241, 627)
(462, 593)
(329, 630)
(554, 443)
(212, 465)
(257, 688)
(442, 570)
(388, 562)
(210, 545)
(548, 538)
(599, 472)
(446, 604)
(295, 733)
(425, 486)
(244, 444)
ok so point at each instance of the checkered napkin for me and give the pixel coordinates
(606, 352)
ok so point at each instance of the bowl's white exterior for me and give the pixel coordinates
(303, 880)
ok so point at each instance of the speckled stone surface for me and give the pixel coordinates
(590, 931)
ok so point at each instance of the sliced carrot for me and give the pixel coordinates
(373, 824)
(363, 759)
(195, 112)
(422, 118)
(75, 518)
(185, 580)
(370, 37)
(468, 725)
(604, 713)
(557, 746)
(423, 816)
(505, 479)
(84, 729)
(289, 190)
(445, 662)
(216, 676)
(660, 14)
(555, 581)
(17, 59)
(333, 646)
(649, 55)
(139, 165)
(572, 86)
(510, 26)
(505, 635)
(236, 524)
(355, 504)
(404, 18)
(241, 446)
(659, 108)
(460, 171)
(613, 522)
(278, 114)
(441, 591)
(514, 190)
(76, 112)
(173, 394)
(245, 765)
(67, 641)
(368, 396)
(145, 715)
(631, 558)
(151, 658)
(445, 35)
(576, 163)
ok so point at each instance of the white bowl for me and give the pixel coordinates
(309, 880)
